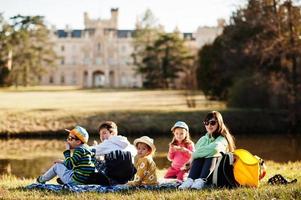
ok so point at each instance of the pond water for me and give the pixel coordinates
(30, 157)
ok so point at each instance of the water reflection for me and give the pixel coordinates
(26, 168)
(276, 148)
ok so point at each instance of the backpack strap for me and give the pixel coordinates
(215, 172)
(231, 161)
(231, 158)
(227, 159)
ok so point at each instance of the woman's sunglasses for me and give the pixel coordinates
(211, 122)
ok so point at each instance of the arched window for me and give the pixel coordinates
(62, 79)
(74, 78)
(98, 46)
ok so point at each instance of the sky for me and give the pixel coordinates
(187, 15)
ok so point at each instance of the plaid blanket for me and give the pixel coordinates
(99, 188)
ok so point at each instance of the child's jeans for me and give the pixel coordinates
(175, 173)
(59, 170)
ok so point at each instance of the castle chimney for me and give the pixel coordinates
(114, 17)
(86, 19)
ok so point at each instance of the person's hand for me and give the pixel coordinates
(183, 149)
(58, 161)
(67, 146)
(177, 148)
(95, 143)
(186, 167)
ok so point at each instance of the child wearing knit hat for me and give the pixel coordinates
(76, 168)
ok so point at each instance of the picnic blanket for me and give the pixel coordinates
(99, 188)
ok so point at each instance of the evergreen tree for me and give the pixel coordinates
(32, 51)
(5, 29)
(164, 60)
(159, 56)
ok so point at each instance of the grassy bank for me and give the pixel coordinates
(12, 188)
(43, 110)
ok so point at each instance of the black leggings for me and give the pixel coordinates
(202, 168)
(99, 179)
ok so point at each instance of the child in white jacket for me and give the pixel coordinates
(117, 166)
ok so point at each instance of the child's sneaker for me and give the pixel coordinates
(59, 181)
(40, 181)
(198, 184)
(186, 184)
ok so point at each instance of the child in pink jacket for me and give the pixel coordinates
(180, 151)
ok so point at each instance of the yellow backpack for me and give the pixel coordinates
(247, 168)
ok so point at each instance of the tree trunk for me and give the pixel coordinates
(294, 105)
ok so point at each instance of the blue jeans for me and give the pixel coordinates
(202, 168)
(60, 170)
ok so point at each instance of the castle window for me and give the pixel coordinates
(62, 79)
(74, 60)
(98, 61)
(86, 61)
(111, 61)
(51, 79)
(62, 48)
(129, 61)
(123, 48)
(62, 61)
(98, 47)
(124, 80)
(74, 78)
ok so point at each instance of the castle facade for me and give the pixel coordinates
(100, 54)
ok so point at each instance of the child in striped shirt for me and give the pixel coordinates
(76, 168)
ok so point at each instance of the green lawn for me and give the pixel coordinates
(49, 110)
(40, 109)
(68, 99)
(12, 188)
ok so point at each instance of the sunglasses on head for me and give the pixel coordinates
(211, 122)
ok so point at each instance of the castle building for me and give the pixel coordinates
(100, 54)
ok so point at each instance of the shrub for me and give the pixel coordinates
(249, 92)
